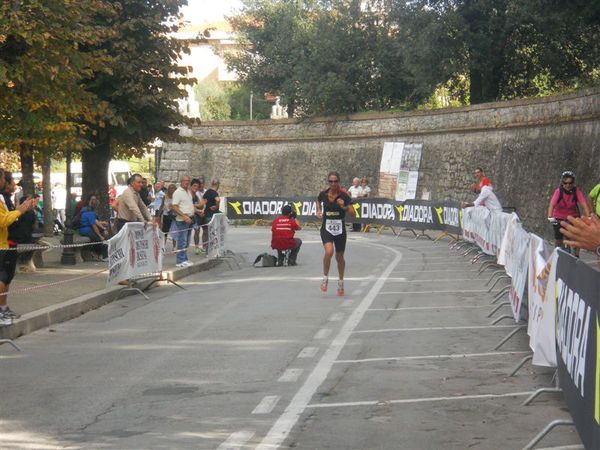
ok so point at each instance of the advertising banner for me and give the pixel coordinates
(217, 231)
(416, 214)
(136, 250)
(537, 279)
(577, 296)
(513, 255)
(544, 353)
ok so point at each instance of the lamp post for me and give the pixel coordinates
(68, 254)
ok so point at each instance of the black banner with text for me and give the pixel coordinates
(416, 214)
(577, 295)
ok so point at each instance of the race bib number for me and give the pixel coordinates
(334, 227)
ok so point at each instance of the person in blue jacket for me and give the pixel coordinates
(96, 230)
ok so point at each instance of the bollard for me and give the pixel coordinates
(68, 253)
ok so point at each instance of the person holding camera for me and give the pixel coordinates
(283, 229)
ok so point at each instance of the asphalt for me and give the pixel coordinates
(55, 292)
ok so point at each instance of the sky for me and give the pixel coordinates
(199, 11)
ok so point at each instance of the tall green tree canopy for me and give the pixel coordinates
(338, 56)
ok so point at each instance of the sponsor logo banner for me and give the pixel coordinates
(417, 214)
(577, 296)
(136, 250)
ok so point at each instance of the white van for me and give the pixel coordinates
(118, 174)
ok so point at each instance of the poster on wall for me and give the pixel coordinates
(408, 173)
(391, 161)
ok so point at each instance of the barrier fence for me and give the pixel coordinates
(414, 214)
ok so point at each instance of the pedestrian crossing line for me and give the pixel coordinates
(465, 327)
(419, 400)
(426, 357)
(236, 440)
(266, 405)
(308, 352)
(428, 308)
(323, 333)
(290, 375)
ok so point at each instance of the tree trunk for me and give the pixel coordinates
(26, 154)
(94, 163)
(47, 195)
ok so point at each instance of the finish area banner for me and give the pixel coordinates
(417, 214)
(577, 296)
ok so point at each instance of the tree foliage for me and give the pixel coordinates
(340, 56)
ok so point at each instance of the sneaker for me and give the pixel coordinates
(181, 264)
(187, 264)
(340, 290)
(324, 285)
(5, 320)
(10, 313)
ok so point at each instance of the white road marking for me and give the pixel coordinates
(266, 405)
(565, 447)
(284, 424)
(446, 263)
(437, 271)
(336, 317)
(419, 400)
(417, 308)
(308, 352)
(323, 333)
(290, 375)
(432, 292)
(467, 327)
(425, 357)
(437, 280)
(236, 440)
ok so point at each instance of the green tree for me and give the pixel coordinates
(140, 86)
(42, 63)
(214, 100)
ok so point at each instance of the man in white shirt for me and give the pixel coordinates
(486, 198)
(183, 207)
(355, 191)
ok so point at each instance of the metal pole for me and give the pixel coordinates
(68, 254)
(251, 95)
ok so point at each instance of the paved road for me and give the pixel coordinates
(259, 358)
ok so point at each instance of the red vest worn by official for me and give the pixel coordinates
(283, 229)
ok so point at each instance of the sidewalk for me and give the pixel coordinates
(57, 292)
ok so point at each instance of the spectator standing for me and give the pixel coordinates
(130, 207)
(594, 200)
(59, 203)
(20, 231)
(145, 193)
(8, 258)
(565, 202)
(183, 207)
(90, 226)
(486, 198)
(210, 203)
(482, 180)
(283, 229)
(166, 213)
(198, 217)
(366, 190)
(158, 197)
(355, 191)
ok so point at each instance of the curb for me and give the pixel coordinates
(70, 309)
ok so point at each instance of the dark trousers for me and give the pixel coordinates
(120, 224)
(99, 249)
(293, 253)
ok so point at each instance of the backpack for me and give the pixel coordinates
(562, 191)
(267, 260)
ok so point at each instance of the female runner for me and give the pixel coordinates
(335, 203)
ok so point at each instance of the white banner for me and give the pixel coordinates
(513, 255)
(544, 352)
(136, 250)
(217, 231)
(485, 228)
(539, 268)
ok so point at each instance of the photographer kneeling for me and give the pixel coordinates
(283, 229)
